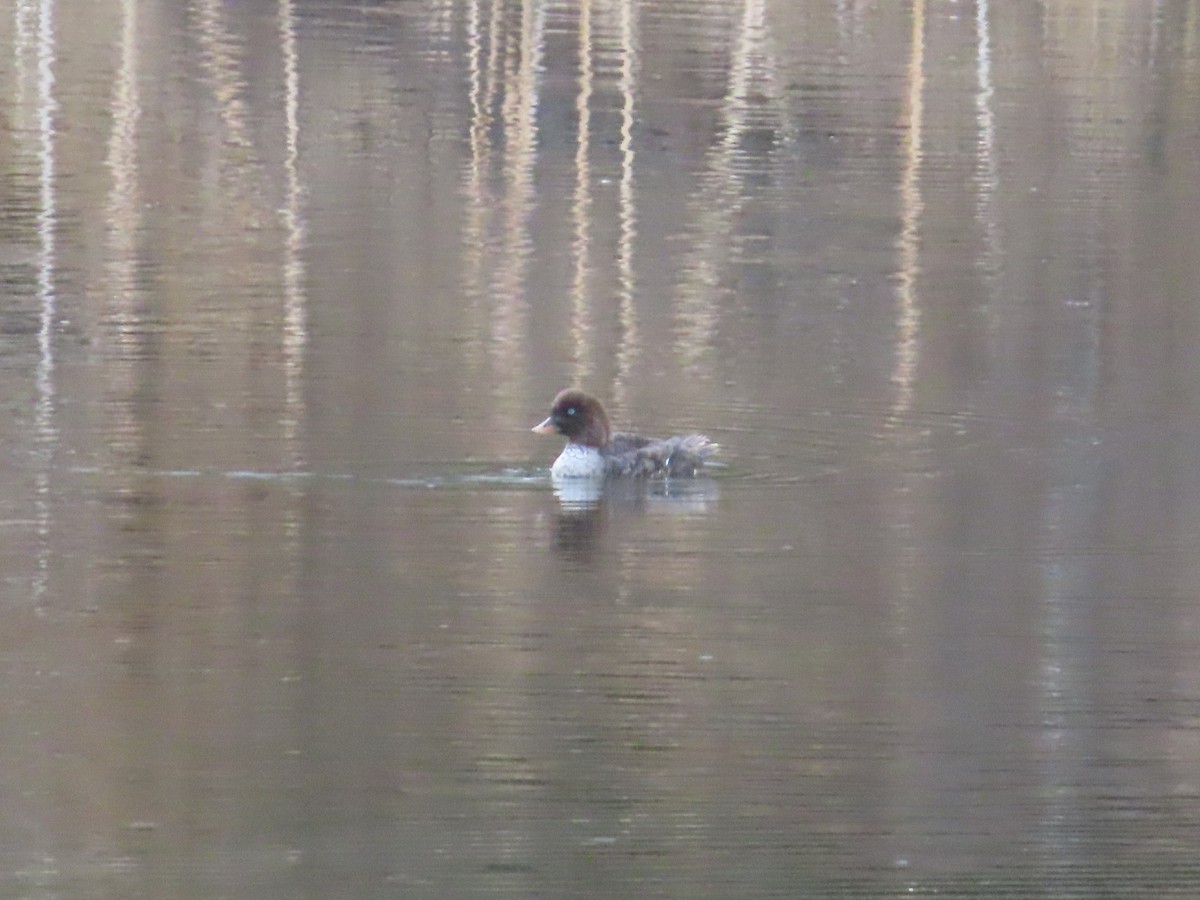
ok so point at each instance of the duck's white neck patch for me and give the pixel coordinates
(578, 461)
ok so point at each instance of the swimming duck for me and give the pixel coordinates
(594, 451)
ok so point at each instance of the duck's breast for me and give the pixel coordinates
(577, 461)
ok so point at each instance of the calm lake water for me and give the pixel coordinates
(288, 604)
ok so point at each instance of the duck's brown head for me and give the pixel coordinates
(578, 417)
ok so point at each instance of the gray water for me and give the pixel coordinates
(288, 604)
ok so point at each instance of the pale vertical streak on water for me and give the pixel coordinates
(123, 209)
(123, 320)
(295, 303)
(25, 118)
(25, 16)
(987, 174)
(520, 106)
(219, 52)
(481, 62)
(47, 288)
(486, 84)
(721, 194)
(908, 244)
(628, 346)
(236, 160)
(908, 569)
(581, 205)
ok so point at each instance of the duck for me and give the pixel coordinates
(594, 451)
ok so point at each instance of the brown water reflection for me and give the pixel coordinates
(288, 605)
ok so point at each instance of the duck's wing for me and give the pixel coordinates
(638, 457)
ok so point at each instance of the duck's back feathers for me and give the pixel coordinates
(634, 456)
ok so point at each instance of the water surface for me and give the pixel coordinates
(288, 604)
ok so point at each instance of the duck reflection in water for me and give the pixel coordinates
(587, 506)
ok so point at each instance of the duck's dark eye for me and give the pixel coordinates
(570, 410)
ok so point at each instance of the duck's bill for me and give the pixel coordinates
(546, 427)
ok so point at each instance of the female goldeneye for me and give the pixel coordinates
(593, 451)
